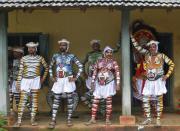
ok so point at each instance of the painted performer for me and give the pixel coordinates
(29, 81)
(10, 77)
(155, 85)
(105, 81)
(90, 60)
(14, 94)
(64, 80)
(138, 78)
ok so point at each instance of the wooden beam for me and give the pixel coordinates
(3, 64)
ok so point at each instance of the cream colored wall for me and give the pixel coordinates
(80, 27)
(75, 25)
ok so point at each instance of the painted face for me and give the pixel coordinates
(153, 48)
(63, 47)
(32, 50)
(96, 46)
(108, 54)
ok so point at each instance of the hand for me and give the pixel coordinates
(92, 86)
(135, 88)
(85, 75)
(164, 78)
(41, 80)
(18, 87)
(118, 87)
(53, 79)
(72, 79)
(134, 79)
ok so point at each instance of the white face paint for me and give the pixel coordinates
(153, 48)
(32, 50)
(108, 54)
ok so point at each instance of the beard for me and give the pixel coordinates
(109, 56)
(62, 50)
(31, 52)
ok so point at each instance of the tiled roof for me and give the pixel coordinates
(88, 3)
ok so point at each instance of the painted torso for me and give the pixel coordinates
(92, 58)
(154, 66)
(16, 65)
(105, 71)
(31, 66)
(64, 64)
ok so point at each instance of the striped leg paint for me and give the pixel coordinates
(17, 99)
(11, 100)
(34, 100)
(55, 106)
(94, 108)
(87, 99)
(108, 109)
(102, 107)
(159, 109)
(147, 110)
(69, 108)
(93, 112)
(22, 103)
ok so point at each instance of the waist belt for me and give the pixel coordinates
(30, 77)
(103, 81)
(154, 78)
(63, 74)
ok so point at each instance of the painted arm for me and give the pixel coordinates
(137, 46)
(115, 50)
(51, 66)
(95, 71)
(117, 72)
(80, 66)
(170, 63)
(20, 73)
(45, 67)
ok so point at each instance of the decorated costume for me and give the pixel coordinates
(64, 72)
(10, 76)
(142, 33)
(29, 81)
(91, 59)
(155, 85)
(139, 81)
(14, 93)
(75, 102)
(105, 80)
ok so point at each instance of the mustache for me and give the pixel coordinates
(108, 56)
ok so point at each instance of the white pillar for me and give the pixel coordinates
(125, 70)
(3, 64)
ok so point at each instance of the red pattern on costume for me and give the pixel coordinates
(107, 67)
(140, 71)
